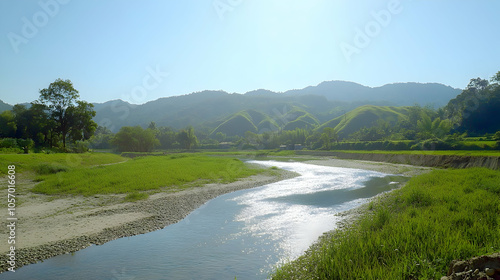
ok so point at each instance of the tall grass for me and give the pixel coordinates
(47, 163)
(145, 173)
(414, 233)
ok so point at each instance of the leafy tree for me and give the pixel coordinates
(219, 136)
(373, 133)
(8, 125)
(407, 126)
(21, 118)
(331, 133)
(296, 136)
(437, 128)
(82, 125)
(69, 114)
(167, 137)
(135, 139)
(102, 138)
(496, 136)
(325, 142)
(154, 128)
(496, 78)
(33, 123)
(152, 125)
(475, 110)
(270, 140)
(187, 138)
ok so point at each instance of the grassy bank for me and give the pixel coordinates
(441, 153)
(144, 173)
(438, 153)
(47, 163)
(412, 233)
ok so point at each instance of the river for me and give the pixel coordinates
(243, 234)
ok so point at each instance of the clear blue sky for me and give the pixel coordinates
(109, 49)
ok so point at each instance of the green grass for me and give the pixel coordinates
(480, 144)
(50, 168)
(451, 153)
(364, 116)
(48, 163)
(145, 173)
(251, 153)
(413, 233)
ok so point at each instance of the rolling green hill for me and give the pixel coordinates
(258, 122)
(364, 116)
(300, 118)
(238, 124)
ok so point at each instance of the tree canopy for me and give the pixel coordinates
(72, 117)
(58, 116)
(135, 139)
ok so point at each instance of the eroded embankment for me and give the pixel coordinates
(444, 161)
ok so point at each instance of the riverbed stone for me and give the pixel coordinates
(489, 271)
(482, 267)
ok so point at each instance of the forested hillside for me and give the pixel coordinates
(208, 110)
(327, 116)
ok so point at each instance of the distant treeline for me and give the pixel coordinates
(58, 117)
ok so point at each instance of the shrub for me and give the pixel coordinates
(436, 144)
(10, 150)
(8, 143)
(497, 136)
(25, 144)
(49, 168)
(80, 147)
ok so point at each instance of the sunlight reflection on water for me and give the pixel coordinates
(296, 223)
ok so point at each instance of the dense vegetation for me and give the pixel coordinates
(366, 127)
(257, 120)
(56, 117)
(208, 109)
(372, 127)
(413, 233)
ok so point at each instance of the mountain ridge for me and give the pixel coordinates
(312, 106)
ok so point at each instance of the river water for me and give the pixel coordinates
(243, 234)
